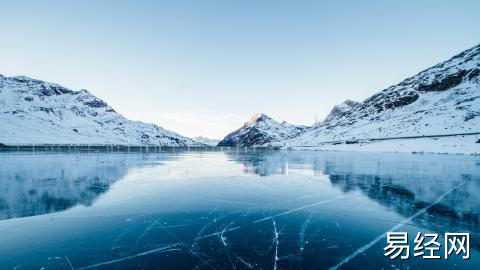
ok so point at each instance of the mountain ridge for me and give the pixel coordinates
(442, 99)
(35, 111)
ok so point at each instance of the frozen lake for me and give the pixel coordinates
(232, 210)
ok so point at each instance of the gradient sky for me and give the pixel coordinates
(205, 67)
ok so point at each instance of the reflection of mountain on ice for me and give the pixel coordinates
(39, 184)
(403, 182)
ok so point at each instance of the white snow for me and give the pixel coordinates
(447, 145)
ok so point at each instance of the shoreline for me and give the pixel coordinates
(461, 145)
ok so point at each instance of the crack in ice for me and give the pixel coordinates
(69, 263)
(171, 247)
(222, 239)
(299, 209)
(396, 227)
(301, 236)
(275, 239)
(200, 237)
(147, 230)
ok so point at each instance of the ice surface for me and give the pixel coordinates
(231, 210)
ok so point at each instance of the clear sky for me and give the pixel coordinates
(205, 67)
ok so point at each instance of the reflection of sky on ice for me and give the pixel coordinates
(231, 210)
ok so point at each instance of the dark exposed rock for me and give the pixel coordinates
(471, 115)
(59, 90)
(20, 79)
(47, 110)
(384, 101)
(17, 111)
(77, 111)
(473, 74)
(446, 83)
(405, 100)
(466, 100)
(96, 103)
(41, 88)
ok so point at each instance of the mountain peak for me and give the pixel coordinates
(261, 130)
(350, 102)
(259, 117)
(339, 110)
(21, 78)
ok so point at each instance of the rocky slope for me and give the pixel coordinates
(34, 111)
(444, 99)
(340, 110)
(261, 130)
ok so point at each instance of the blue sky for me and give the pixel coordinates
(205, 67)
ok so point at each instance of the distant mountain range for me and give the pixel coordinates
(34, 111)
(444, 99)
(206, 141)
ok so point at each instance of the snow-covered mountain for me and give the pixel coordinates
(340, 110)
(444, 99)
(34, 111)
(261, 130)
(207, 141)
